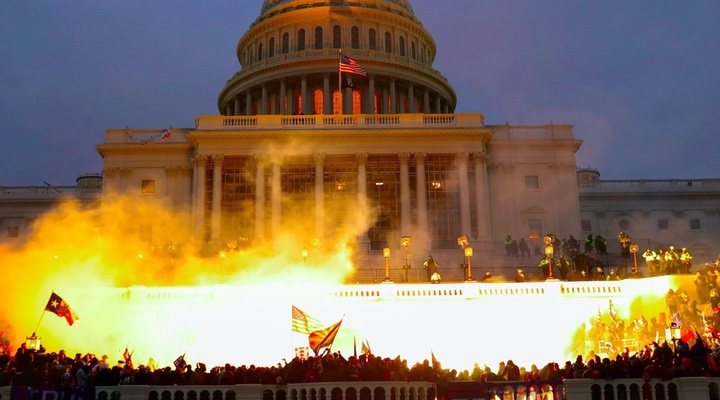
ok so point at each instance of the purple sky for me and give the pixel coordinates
(639, 80)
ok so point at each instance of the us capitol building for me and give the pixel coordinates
(293, 138)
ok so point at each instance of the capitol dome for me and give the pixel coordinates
(289, 61)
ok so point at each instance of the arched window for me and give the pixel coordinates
(285, 43)
(318, 101)
(412, 51)
(355, 37)
(301, 40)
(337, 38)
(388, 42)
(372, 39)
(319, 37)
(402, 46)
(260, 52)
(271, 48)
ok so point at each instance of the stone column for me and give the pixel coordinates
(290, 100)
(303, 94)
(482, 196)
(393, 98)
(228, 108)
(125, 174)
(411, 99)
(263, 100)
(110, 181)
(237, 104)
(438, 106)
(199, 220)
(215, 219)
(421, 184)
(319, 195)
(327, 95)
(283, 97)
(347, 100)
(273, 103)
(248, 102)
(260, 161)
(276, 192)
(171, 178)
(370, 98)
(462, 164)
(361, 159)
(426, 101)
(405, 228)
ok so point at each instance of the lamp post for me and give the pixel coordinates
(634, 248)
(549, 251)
(32, 342)
(386, 254)
(304, 255)
(468, 254)
(405, 242)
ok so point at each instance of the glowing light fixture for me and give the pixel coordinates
(386, 255)
(468, 255)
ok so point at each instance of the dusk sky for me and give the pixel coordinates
(639, 80)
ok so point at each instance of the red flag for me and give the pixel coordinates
(128, 357)
(59, 307)
(324, 337)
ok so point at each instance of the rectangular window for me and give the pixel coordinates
(13, 231)
(147, 186)
(663, 224)
(532, 182)
(535, 229)
(694, 224)
(586, 225)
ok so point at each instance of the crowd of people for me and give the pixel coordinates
(616, 353)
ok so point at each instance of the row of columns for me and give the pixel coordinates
(279, 103)
(481, 194)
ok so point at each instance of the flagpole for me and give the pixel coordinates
(39, 321)
(340, 82)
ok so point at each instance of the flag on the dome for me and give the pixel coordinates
(324, 337)
(351, 66)
(59, 307)
(304, 323)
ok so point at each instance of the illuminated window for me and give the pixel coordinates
(13, 231)
(372, 39)
(355, 37)
(694, 224)
(238, 198)
(388, 42)
(337, 37)
(532, 182)
(318, 101)
(443, 200)
(318, 38)
(663, 224)
(147, 186)
(535, 228)
(356, 102)
(301, 40)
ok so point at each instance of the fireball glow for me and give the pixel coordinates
(236, 309)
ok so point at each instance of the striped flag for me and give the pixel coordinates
(303, 323)
(351, 66)
(324, 337)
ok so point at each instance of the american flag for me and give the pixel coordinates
(304, 323)
(351, 66)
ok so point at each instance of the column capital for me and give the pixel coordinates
(463, 156)
(479, 156)
(361, 157)
(217, 159)
(319, 158)
(111, 171)
(404, 157)
(200, 159)
(125, 171)
(261, 158)
(420, 158)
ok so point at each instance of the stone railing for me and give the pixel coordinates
(354, 121)
(22, 192)
(651, 185)
(695, 388)
(515, 132)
